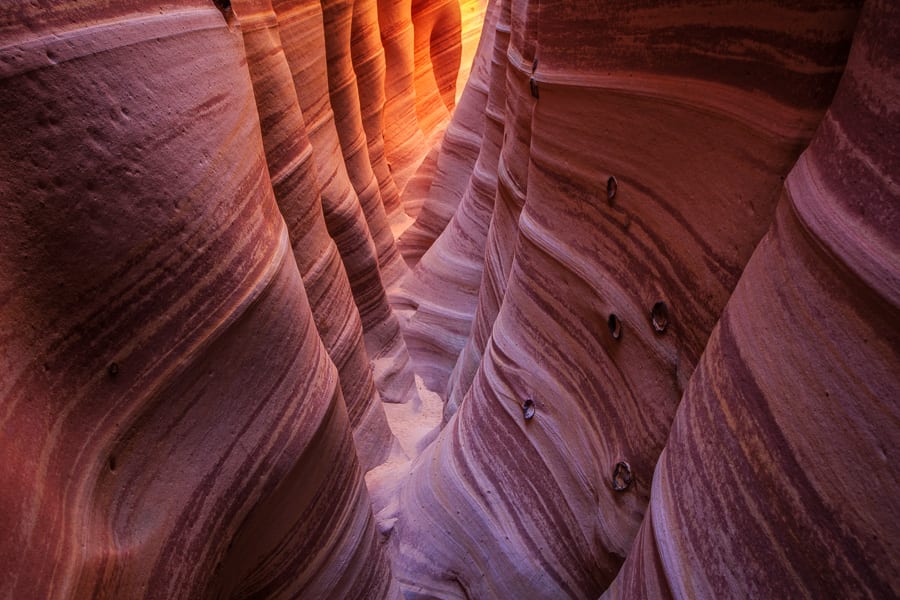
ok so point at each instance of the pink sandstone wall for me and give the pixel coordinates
(449, 299)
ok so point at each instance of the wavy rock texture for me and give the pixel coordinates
(785, 434)
(404, 142)
(295, 183)
(345, 102)
(698, 112)
(422, 44)
(371, 70)
(655, 267)
(172, 425)
(432, 21)
(459, 148)
(442, 291)
(437, 26)
(303, 36)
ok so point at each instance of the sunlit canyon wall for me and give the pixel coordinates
(449, 299)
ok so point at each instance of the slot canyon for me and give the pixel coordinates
(449, 299)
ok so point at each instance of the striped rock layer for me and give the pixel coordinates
(302, 32)
(785, 435)
(458, 150)
(441, 294)
(643, 155)
(296, 186)
(656, 279)
(172, 425)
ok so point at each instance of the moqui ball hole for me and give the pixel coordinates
(612, 187)
(659, 317)
(528, 409)
(622, 477)
(615, 326)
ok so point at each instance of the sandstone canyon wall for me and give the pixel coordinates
(446, 299)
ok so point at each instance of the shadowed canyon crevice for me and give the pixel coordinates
(449, 299)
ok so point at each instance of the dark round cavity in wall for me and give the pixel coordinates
(612, 187)
(113, 369)
(223, 5)
(528, 409)
(112, 464)
(659, 317)
(615, 326)
(622, 477)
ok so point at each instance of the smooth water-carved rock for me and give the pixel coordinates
(404, 142)
(437, 25)
(171, 423)
(296, 187)
(459, 147)
(370, 68)
(442, 291)
(776, 480)
(647, 394)
(302, 34)
(698, 141)
(345, 102)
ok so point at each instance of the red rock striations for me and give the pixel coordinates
(459, 148)
(644, 150)
(370, 68)
(295, 183)
(422, 44)
(302, 33)
(777, 479)
(345, 103)
(404, 142)
(442, 292)
(172, 425)
(655, 277)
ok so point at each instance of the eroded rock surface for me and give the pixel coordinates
(630, 195)
(642, 340)
(172, 425)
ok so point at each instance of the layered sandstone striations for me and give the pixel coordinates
(459, 148)
(642, 158)
(296, 186)
(440, 296)
(302, 32)
(172, 425)
(655, 276)
(784, 437)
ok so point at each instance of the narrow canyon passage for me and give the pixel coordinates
(446, 299)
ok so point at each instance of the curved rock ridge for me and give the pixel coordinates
(458, 150)
(423, 44)
(172, 425)
(499, 246)
(785, 433)
(441, 294)
(598, 295)
(641, 342)
(473, 20)
(370, 68)
(416, 193)
(437, 27)
(303, 37)
(404, 142)
(345, 102)
(295, 183)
